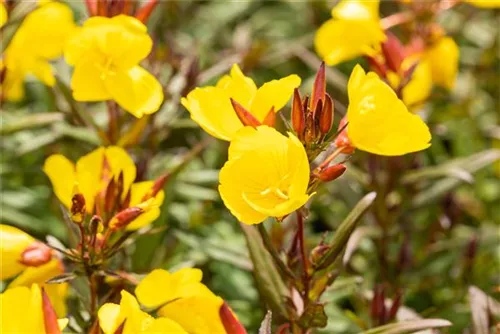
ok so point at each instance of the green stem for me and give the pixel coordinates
(274, 254)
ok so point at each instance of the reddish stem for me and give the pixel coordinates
(305, 260)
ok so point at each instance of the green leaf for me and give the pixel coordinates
(30, 121)
(344, 231)
(409, 326)
(269, 282)
(314, 316)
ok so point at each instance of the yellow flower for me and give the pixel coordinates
(484, 3)
(353, 31)
(442, 57)
(3, 15)
(92, 174)
(106, 53)
(267, 174)
(186, 300)
(112, 316)
(13, 242)
(40, 38)
(211, 107)
(379, 122)
(21, 311)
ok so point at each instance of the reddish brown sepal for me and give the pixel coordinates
(36, 254)
(319, 87)
(49, 315)
(342, 140)
(393, 52)
(125, 217)
(231, 324)
(244, 115)
(326, 118)
(157, 186)
(91, 7)
(377, 66)
(270, 119)
(331, 173)
(145, 11)
(298, 115)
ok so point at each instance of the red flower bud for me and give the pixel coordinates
(270, 119)
(36, 254)
(331, 173)
(157, 186)
(377, 66)
(78, 208)
(145, 11)
(231, 324)
(49, 315)
(326, 118)
(298, 115)
(319, 88)
(244, 115)
(125, 217)
(393, 52)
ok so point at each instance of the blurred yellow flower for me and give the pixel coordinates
(379, 122)
(3, 14)
(186, 300)
(106, 53)
(40, 38)
(353, 31)
(266, 175)
(211, 107)
(134, 320)
(419, 88)
(442, 57)
(92, 174)
(21, 311)
(13, 244)
(484, 3)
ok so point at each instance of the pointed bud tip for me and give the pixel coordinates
(229, 321)
(244, 115)
(332, 173)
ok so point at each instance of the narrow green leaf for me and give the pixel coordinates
(268, 280)
(409, 326)
(30, 121)
(63, 278)
(345, 230)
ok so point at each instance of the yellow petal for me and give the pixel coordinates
(443, 60)
(88, 175)
(109, 317)
(164, 325)
(211, 108)
(43, 72)
(120, 161)
(380, 123)
(137, 192)
(13, 242)
(276, 175)
(23, 313)
(357, 10)
(3, 15)
(197, 315)
(340, 40)
(484, 3)
(160, 286)
(420, 86)
(238, 86)
(13, 85)
(135, 90)
(87, 84)
(275, 93)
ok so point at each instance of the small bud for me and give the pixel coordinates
(298, 115)
(145, 11)
(396, 303)
(319, 87)
(326, 118)
(157, 186)
(78, 208)
(332, 173)
(270, 119)
(125, 217)
(229, 321)
(393, 52)
(95, 225)
(312, 124)
(110, 196)
(49, 315)
(244, 115)
(36, 254)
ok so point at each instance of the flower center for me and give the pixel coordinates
(275, 191)
(106, 68)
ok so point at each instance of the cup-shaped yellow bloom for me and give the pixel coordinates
(266, 175)
(112, 316)
(443, 57)
(105, 53)
(92, 174)
(379, 122)
(21, 311)
(40, 38)
(353, 31)
(186, 300)
(484, 3)
(211, 107)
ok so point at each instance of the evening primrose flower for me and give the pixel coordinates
(129, 315)
(105, 53)
(30, 262)
(28, 310)
(39, 39)
(92, 174)
(484, 3)
(442, 56)
(379, 122)
(211, 106)
(266, 175)
(353, 31)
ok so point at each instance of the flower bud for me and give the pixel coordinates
(393, 52)
(78, 208)
(229, 321)
(145, 11)
(332, 173)
(49, 315)
(36, 254)
(270, 119)
(377, 66)
(319, 87)
(125, 217)
(326, 117)
(298, 115)
(244, 115)
(157, 186)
